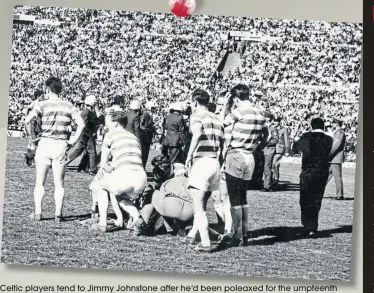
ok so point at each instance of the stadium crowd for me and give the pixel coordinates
(331, 33)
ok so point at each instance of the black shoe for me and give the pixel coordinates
(28, 161)
(235, 242)
(265, 190)
(245, 241)
(92, 173)
(340, 198)
(308, 233)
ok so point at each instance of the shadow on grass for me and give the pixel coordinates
(71, 218)
(334, 198)
(288, 234)
(287, 186)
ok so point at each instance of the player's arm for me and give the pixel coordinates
(78, 120)
(33, 114)
(105, 151)
(196, 130)
(227, 140)
(225, 107)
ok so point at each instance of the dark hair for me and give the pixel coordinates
(201, 97)
(118, 116)
(241, 92)
(54, 84)
(117, 100)
(161, 169)
(340, 123)
(212, 107)
(37, 94)
(317, 123)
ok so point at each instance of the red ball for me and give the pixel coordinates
(182, 8)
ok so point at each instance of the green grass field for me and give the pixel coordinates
(274, 251)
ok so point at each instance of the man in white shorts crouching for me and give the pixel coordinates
(128, 179)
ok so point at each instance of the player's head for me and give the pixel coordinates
(161, 170)
(200, 98)
(220, 101)
(116, 119)
(53, 86)
(37, 95)
(317, 123)
(212, 107)
(240, 93)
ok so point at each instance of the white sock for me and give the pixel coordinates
(202, 223)
(59, 200)
(131, 209)
(219, 210)
(38, 198)
(228, 216)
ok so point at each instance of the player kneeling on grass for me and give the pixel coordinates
(169, 209)
(128, 179)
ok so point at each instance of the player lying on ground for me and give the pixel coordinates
(168, 209)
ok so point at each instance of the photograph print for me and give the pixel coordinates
(212, 145)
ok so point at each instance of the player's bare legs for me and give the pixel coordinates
(226, 208)
(59, 171)
(200, 217)
(129, 207)
(117, 210)
(41, 168)
(103, 203)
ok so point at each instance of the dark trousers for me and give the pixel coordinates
(258, 172)
(276, 165)
(86, 143)
(336, 170)
(268, 169)
(312, 187)
(145, 153)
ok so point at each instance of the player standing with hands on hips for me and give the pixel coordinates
(55, 139)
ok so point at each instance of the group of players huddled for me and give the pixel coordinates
(211, 151)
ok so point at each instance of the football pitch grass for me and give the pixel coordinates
(274, 251)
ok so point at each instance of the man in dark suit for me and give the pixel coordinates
(315, 147)
(147, 132)
(133, 119)
(87, 141)
(337, 157)
(271, 134)
(174, 127)
(282, 148)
